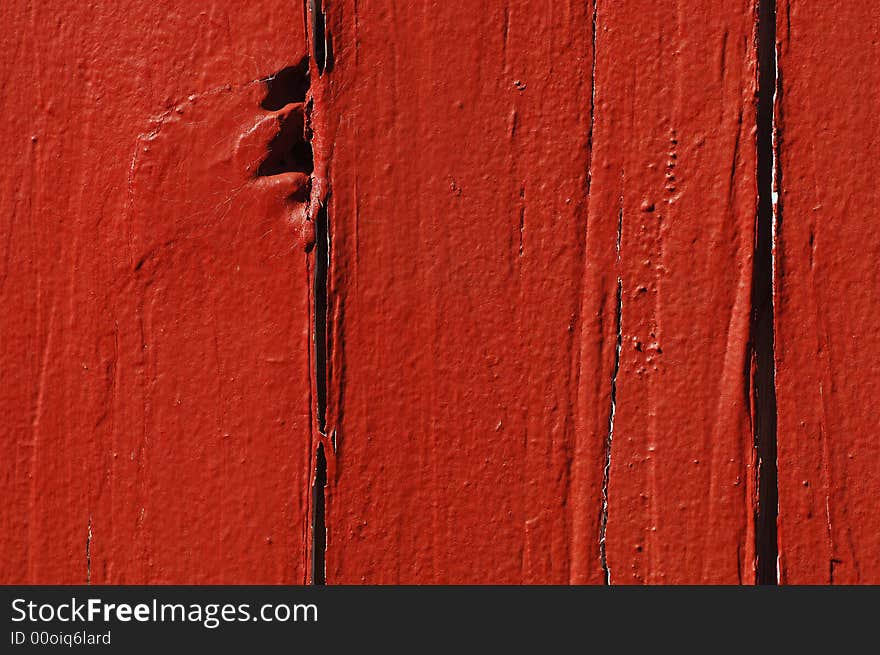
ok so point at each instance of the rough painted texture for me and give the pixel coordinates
(827, 285)
(477, 244)
(155, 395)
(674, 162)
(457, 219)
(540, 333)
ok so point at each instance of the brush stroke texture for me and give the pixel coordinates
(827, 288)
(156, 400)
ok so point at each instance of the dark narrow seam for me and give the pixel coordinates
(762, 327)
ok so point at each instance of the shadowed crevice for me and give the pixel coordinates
(609, 439)
(762, 328)
(290, 150)
(288, 86)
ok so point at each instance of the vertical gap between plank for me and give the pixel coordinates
(322, 262)
(762, 328)
(320, 54)
(319, 527)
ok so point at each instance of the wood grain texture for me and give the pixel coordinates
(478, 241)
(156, 394)
(827, 285)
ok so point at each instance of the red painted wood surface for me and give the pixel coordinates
(155, 399)
(674, 158)
(478, 244)
(538, 360)
(826, 289)
(458, 217)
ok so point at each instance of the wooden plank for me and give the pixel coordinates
(473, 322)
(674, 161)
(155, 353)
(541, 234)
(457, 219)
(827, 284)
